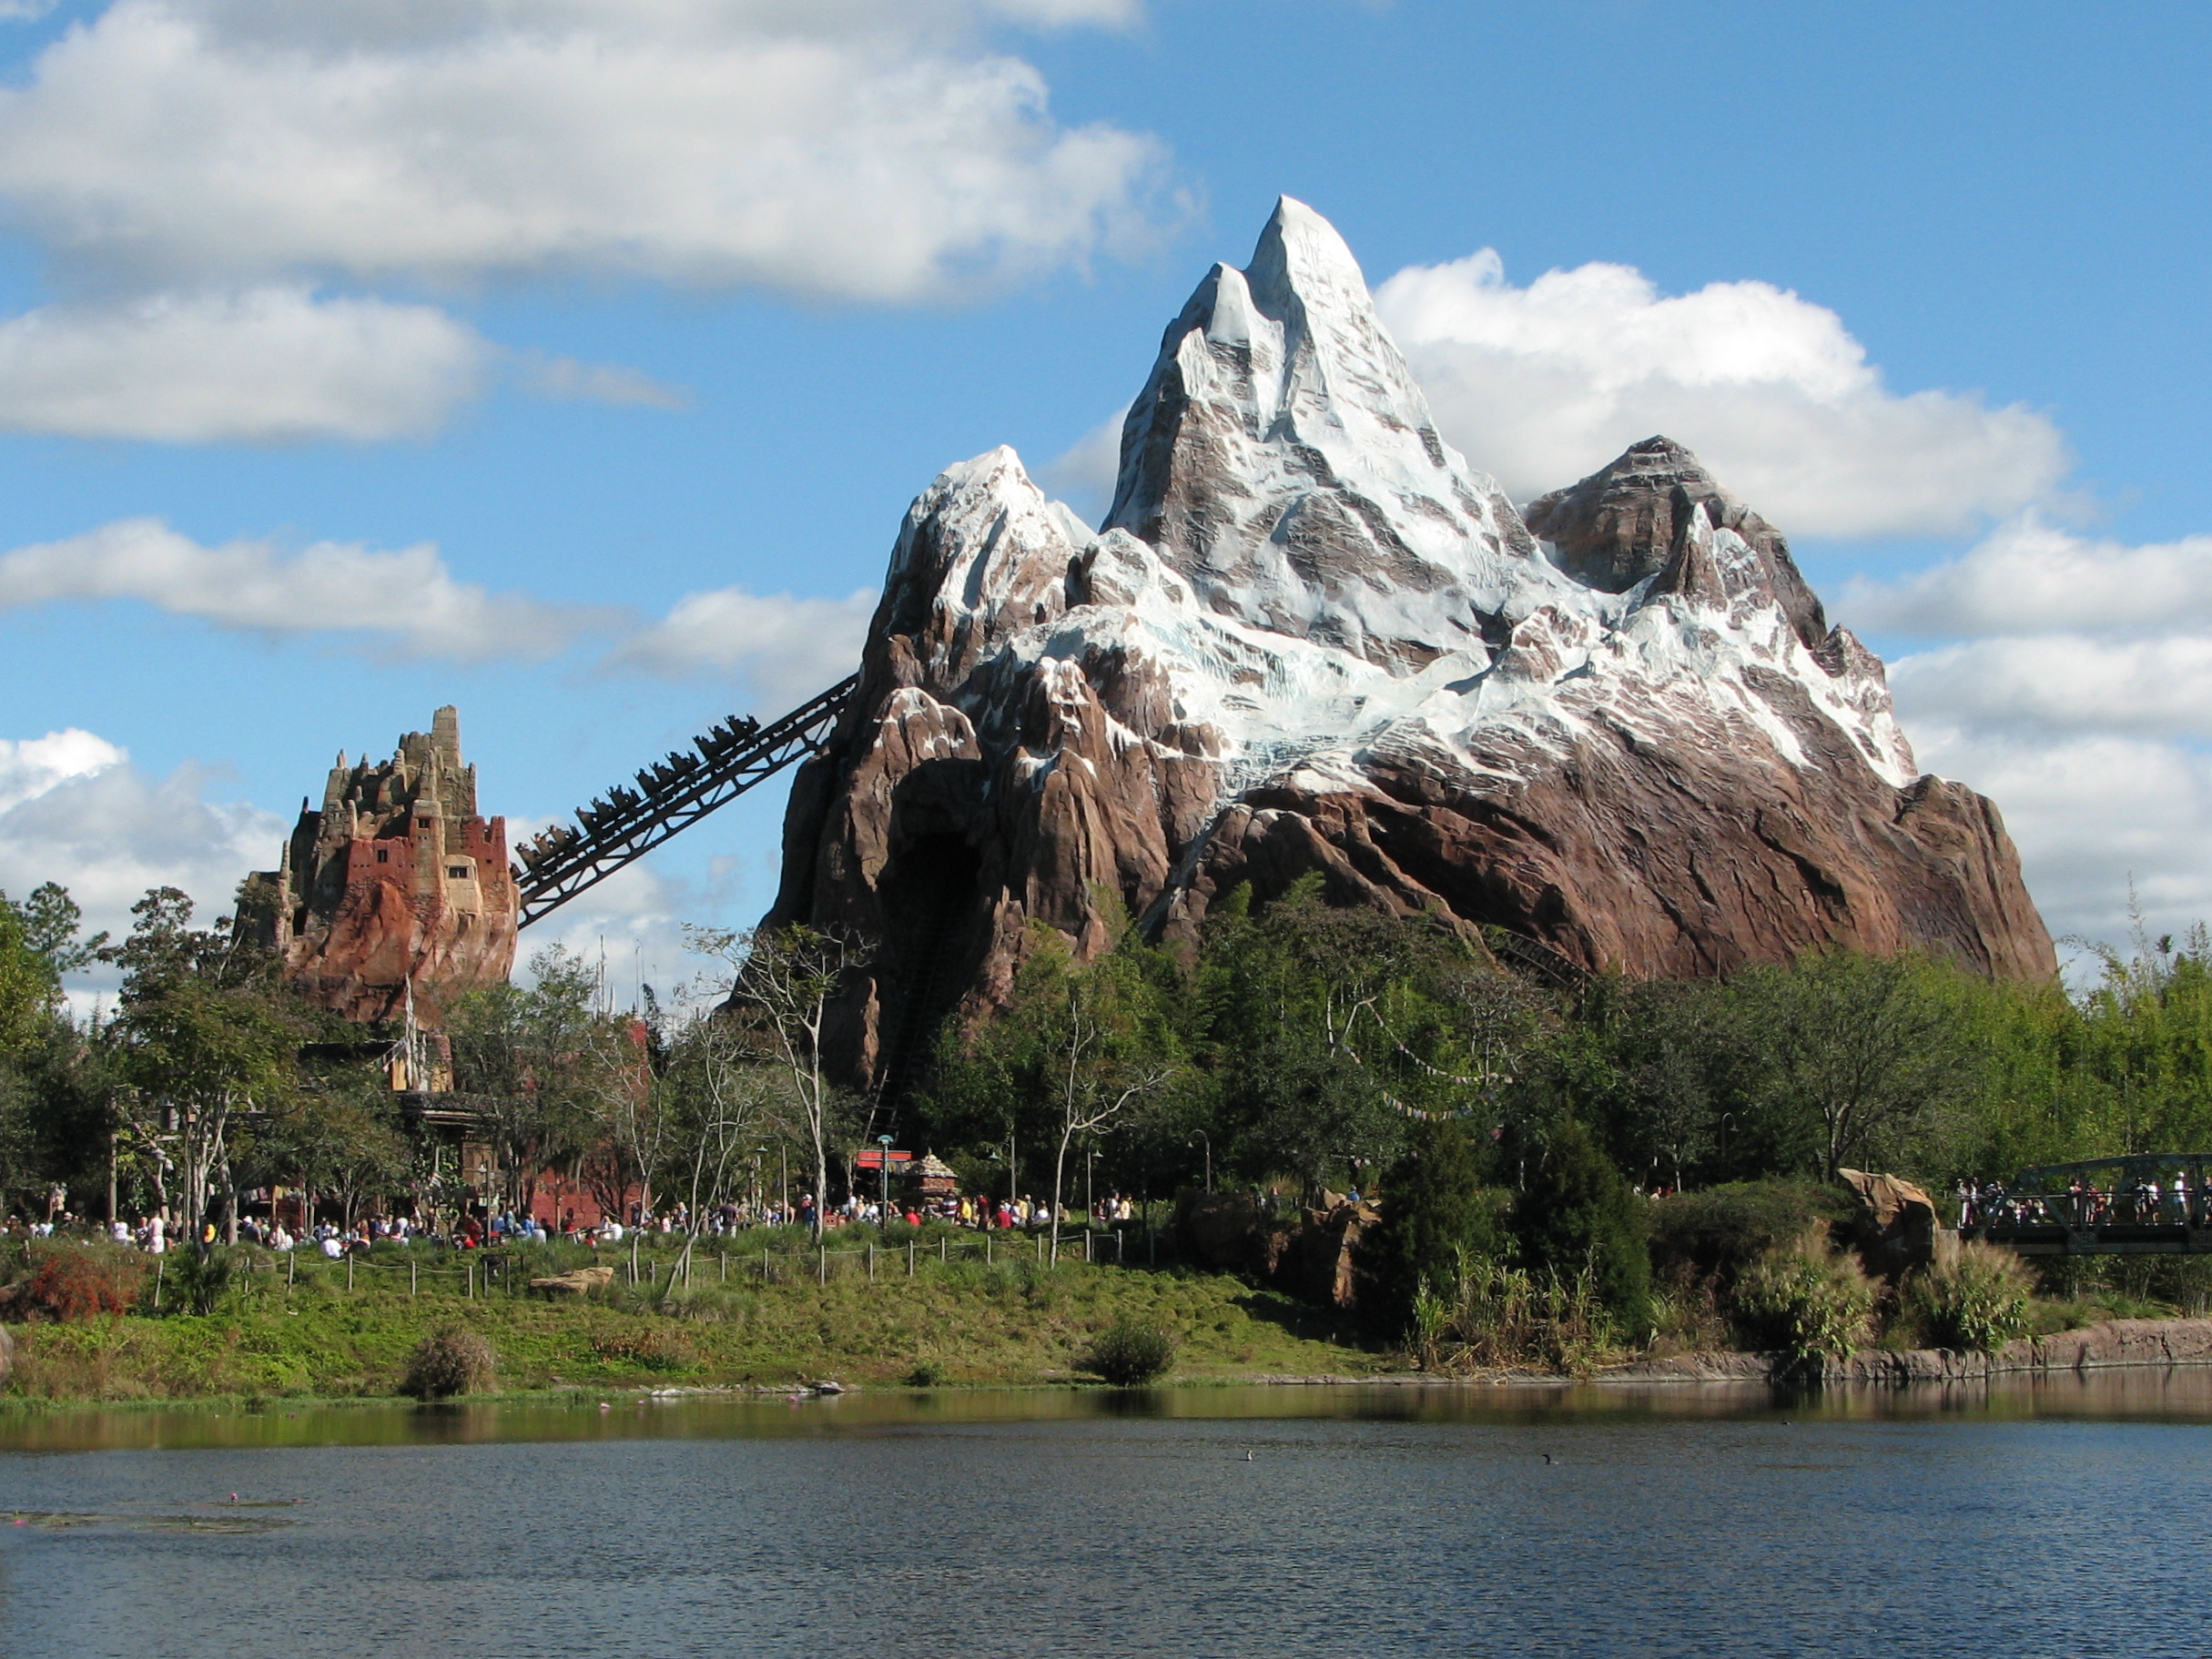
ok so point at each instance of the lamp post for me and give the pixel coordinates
(1209, 1140)
(885, 1217)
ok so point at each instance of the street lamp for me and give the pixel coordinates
(885, 1142)
(1209, 1140)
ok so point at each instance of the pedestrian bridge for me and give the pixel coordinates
(2144, 1204)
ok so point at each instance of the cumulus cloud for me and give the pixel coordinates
(1543, 384)
(868, 151)
(2030, 576)
(268, 365)
(73, 809)
(784, 649)
(2070, 679)
(406, 602)
(35, 765)
(1084, 473)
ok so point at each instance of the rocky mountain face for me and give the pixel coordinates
(1310, 637)
(394, 889)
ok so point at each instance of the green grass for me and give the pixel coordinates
(1012, 1322)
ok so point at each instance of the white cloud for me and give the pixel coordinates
(407, 600)
(565, 376)
(270, 365)
(1083, 474)
(2071, 681)
(871, 151)
(2065, 682)
(782, 648)
(1543, 384)
(2092, 814)
(73, 810)
(2030, 576)
(35, 765)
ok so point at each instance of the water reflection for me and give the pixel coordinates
(2135, 1394)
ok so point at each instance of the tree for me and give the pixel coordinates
(1846, 1054)
(204, 1034)
(1321, 1030)
(1435, 1219)
(1089, 1043)
(781, 984)
(1577, 1215)
(542, 1065)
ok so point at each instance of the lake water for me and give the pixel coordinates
(2064, 1517)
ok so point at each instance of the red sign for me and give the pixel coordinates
(874, 1160)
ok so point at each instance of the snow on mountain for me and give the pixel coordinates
(1315, 569)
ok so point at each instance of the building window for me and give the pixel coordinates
(459, 872)
(383, 856)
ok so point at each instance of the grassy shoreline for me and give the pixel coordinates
(308, 1336)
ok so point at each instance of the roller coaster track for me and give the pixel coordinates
(672, 795)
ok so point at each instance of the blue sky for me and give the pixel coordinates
(573, 360)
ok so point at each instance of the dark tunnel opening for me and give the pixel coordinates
(929, 891)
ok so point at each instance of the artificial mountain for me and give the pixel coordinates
(1310, 637)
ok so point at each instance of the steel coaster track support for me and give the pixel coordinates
(735, 756)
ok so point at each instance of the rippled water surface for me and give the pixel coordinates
(2064, 1517)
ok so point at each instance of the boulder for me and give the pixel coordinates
(1897, 1229)
(583, 1281)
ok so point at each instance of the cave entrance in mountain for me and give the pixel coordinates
(929, 891)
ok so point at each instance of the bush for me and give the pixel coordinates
(1712, 1236)
(1578, 1216)
(1802, 1299)
(70, 1285)
(925, 1373)
(1979, 1301)
(449, 1363)
(655, 1347)
(1130, 1352)
(198, 1285)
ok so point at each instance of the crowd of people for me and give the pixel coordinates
(2085, 1204)
(158, 1233)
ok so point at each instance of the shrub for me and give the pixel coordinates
(448, 1364)
(71, 1285)
(1130, 1352)
(1977, 1301)
(198, 1285)
(655, 1347)
(1712, 1236)
(1578, 1216)
(1803, 1298)
(925, 1373)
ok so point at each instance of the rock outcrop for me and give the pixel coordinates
(394, 889)
(1896, 1230)
(1309, 637)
